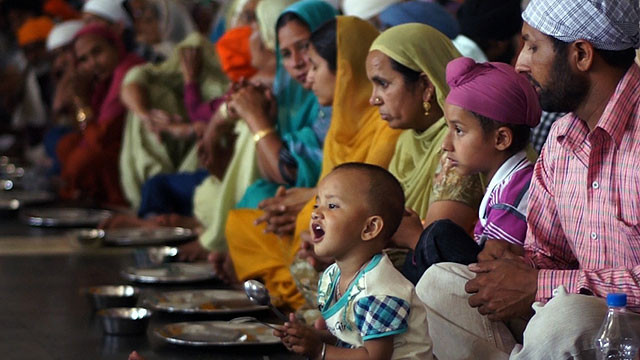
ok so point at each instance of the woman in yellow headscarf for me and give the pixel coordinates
(356, 133)
(406, 65)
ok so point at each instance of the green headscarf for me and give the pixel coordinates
(417, 158)
(297, 112)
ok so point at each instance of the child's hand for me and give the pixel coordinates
(300, 338)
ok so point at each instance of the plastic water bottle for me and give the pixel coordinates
(616, 340)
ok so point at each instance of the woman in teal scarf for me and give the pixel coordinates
(289, 146)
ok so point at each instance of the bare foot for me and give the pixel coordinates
(223, 267)
(135, 356)
(172, 220)
(125, 221)
(192, 251)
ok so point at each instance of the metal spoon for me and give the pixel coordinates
(246, 319)
(259, 295)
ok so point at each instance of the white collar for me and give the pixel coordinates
(505, 170)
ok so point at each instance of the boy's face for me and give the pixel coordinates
(340, 214)
(468, 148)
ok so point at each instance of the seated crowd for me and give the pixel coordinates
(448, 179)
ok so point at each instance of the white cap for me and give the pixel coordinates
(365, 9)
(62, 34)
(111, 10)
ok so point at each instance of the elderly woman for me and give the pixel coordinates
(356, 134)
(89, 156)
(409, 89)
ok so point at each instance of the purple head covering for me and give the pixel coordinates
(494, 90)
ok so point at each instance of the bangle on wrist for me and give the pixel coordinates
(259, 135)
(323, 352)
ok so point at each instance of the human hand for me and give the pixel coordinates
(503, 289)
(157, 121)
(409, 231)
(300, 338)
(500, 249)
(254, 104)
(190, 63)
(281, 211)
(308, 253)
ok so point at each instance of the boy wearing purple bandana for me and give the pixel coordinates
(490, 111)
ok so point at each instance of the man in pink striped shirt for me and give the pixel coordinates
(583, 239)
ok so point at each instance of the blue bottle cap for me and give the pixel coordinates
(617, 299)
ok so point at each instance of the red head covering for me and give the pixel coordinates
(494, 90)
(104, 32)
(234, 53)
(60, 9)
(34, 29)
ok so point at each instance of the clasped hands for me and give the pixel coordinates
(505, 285)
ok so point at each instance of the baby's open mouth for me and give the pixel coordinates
(318, 232)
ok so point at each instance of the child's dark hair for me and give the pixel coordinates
(324, 41)
(385, 196)
(521, 133)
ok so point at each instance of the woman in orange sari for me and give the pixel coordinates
(89, 156)
(357, 133)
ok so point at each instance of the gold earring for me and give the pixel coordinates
(427, 106)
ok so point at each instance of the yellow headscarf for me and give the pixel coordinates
(357, 133)
(417, 157)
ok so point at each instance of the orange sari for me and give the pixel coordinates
(356, 134)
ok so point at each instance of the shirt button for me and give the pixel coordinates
(595, 185)
(594, 236)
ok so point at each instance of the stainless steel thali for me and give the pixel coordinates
(216, 333)
(65, 217)
(204, 302)
(171, 273)
(147, 236)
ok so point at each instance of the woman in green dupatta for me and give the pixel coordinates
(152, 89)
(289, 144)
(406, 65)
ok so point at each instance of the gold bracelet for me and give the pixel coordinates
(262, 133)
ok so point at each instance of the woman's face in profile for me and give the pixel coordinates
(320, 79)
(293, 39)
(399, 103)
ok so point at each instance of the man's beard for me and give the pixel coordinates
(566, 89)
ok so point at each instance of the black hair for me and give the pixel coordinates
(620, 59)
(410, 76)
(286, 18)
(521, 133)
(385, 196)
(324, 41)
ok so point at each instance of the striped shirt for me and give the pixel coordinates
(584, 202)
(503, 210)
